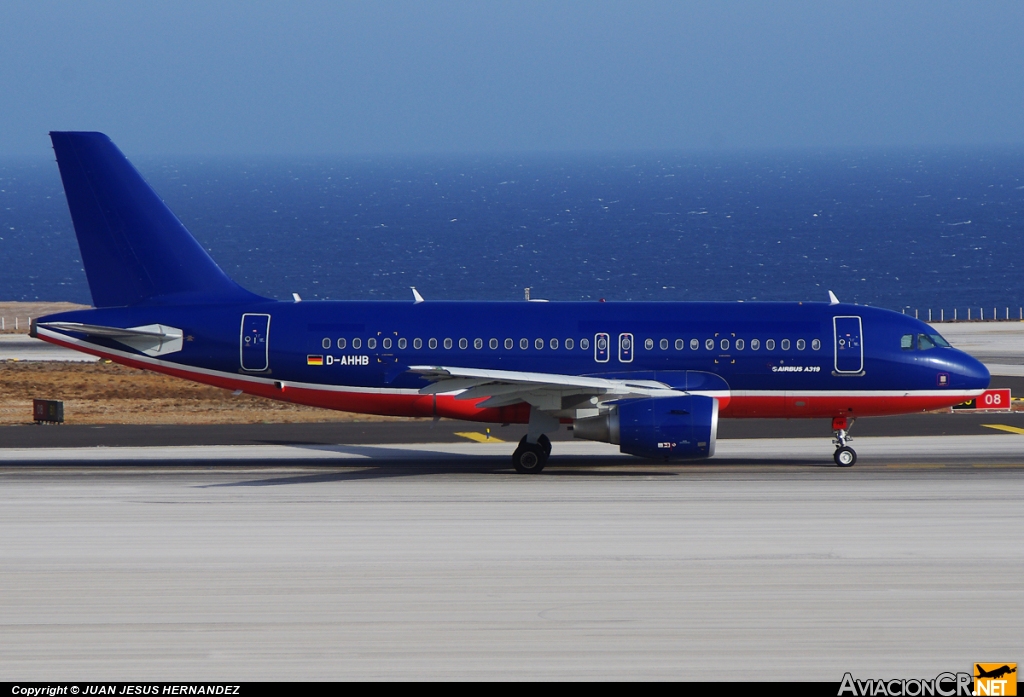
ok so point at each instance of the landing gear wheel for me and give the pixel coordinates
(545, 443)
(845, 456)
(529, 458)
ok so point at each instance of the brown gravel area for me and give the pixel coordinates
(23, 311)
(107, 393)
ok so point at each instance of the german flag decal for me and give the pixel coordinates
(314, 360)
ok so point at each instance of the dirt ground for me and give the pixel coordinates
(107, 393)
(10, 311)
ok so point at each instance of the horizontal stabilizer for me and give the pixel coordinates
(151, 339)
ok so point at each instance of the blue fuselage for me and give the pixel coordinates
(768, 354)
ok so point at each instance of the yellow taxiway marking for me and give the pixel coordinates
(480, 437)
(1003, 427)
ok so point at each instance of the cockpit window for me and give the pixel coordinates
(939, 341)
(907, 342)
(924, 342)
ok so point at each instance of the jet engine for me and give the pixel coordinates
(668, 428)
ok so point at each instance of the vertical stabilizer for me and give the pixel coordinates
(133, 247)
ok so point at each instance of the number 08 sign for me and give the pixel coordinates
(991, 400)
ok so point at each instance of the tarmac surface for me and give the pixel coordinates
(449, 431)
(22, 347)
(764, 563)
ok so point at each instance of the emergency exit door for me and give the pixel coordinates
(849, 345)
(254, 340)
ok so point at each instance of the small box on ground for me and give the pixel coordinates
(48, 411)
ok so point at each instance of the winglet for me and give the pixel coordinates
(832, 299)
(416, 297)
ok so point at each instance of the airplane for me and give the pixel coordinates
(995, 673)
(651, 377)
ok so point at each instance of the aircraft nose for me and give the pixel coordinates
(971, 373)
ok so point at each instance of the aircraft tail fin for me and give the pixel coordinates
(133, 247)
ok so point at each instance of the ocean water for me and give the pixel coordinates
(912, 229)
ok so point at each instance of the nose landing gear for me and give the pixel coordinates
(845, 456)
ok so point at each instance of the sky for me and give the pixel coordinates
(401, 77)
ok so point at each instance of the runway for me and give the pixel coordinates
(435, 561)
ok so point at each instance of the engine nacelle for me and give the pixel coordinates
(669, 428)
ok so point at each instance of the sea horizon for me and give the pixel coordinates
(897, 228)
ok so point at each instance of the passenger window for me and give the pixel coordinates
(924, 342)
(801, 344)
(679, 344)
(326, 343)
(371, 343)
(755, 344)
(341, 343)
(463, 344)
(538, 344)
(649, 344)
(356, 343)
(585, 344)
(417, 343)
(785, 344)
(816, 344)
(709, 344)
(493, 343)
(387, 343)
(569, 344)
(907, 342)
(478, 344)
(663, 344)
(524, 344)
(740, 344)
(402, 343)
(553, 343)
(770, 344)
(694, 344)
(509, 343)
(432, 343)
(447, 343)
(724, 344)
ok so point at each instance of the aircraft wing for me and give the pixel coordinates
(151, 339)
(546, 391)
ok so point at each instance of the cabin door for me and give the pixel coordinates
(255, 347)
(849, 346)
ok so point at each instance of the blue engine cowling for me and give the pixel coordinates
(668, 428)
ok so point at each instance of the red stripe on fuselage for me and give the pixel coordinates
(738, 406)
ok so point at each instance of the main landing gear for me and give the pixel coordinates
(530, 458)
(845, 456)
